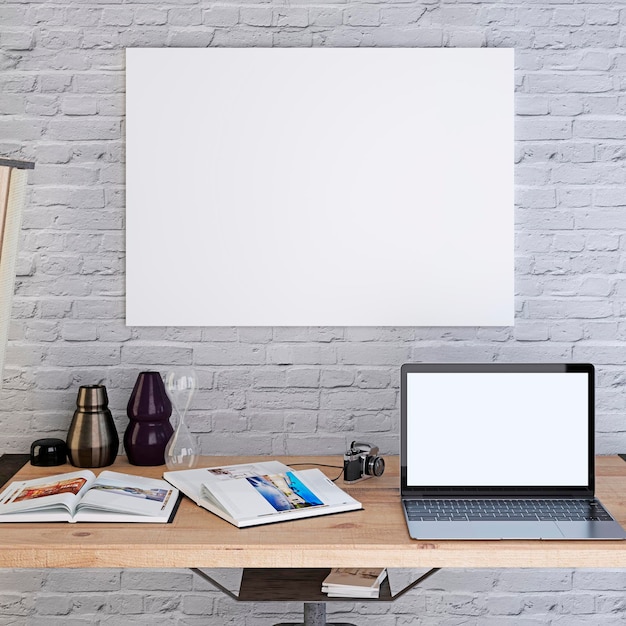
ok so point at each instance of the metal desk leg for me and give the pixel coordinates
(314, 615)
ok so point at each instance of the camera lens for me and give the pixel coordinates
(374, 466)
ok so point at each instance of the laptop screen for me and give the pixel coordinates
(497, 427)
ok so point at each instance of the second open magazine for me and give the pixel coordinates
(262, 493)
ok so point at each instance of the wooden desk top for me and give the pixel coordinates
(374, 537)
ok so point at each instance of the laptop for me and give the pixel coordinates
(500, 451)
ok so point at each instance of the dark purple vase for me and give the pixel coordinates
(149, 429)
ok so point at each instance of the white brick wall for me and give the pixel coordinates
(489, 597)
(305, 389)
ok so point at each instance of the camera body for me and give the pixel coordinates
(361, 461)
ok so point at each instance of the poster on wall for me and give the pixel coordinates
(319, 187)
(13, 182)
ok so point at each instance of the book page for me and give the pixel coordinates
(41, 494)
(258, 490)
(190, 481)
(124, 493)
(327, 490)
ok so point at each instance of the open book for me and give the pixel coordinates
(262, 493)
(81, 497)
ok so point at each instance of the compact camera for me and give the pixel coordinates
(361, 461)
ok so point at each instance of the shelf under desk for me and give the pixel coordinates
(373, 537)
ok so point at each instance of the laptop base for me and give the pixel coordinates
(498, 530)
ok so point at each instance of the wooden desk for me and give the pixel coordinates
(373, 537)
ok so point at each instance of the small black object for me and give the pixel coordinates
(48, 452)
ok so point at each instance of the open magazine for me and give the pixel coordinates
(262, 493)
(81, 497)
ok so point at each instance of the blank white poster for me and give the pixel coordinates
(315, 187)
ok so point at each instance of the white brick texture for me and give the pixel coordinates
(300, 390)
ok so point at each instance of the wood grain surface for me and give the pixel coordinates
(373, 537)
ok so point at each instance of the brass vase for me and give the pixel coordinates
(92, 440)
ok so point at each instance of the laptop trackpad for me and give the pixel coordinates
(485, 530)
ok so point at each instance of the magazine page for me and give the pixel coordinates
(259, 490)
(115, 492)
(45, 496)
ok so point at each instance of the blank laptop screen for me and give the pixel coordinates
(498, 429)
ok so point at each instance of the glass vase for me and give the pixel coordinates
(181, 451)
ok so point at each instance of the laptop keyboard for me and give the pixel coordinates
(498, 510)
